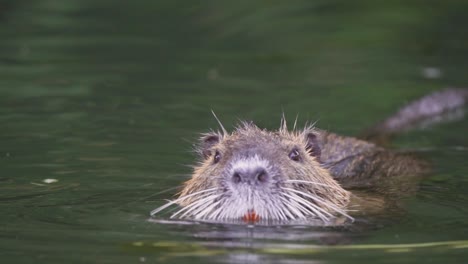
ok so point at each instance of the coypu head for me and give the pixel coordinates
(253, 174)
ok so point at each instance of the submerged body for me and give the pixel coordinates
(256, 175)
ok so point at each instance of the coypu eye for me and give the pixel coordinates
(217, 157)
(295, 155)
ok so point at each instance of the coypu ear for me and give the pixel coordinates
(312, 145)
(206, 142)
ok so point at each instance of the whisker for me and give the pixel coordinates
(338, 210)
(157, 193)
(312, 206)
(215, 214)
(159, 209)
(304, 211)
(317, 199)
(317, 207)
(279, 213)
(287, 208)
(219, 123)
(311, 182)
(312, 209)
(206, 210)
(339, 194)
(290, 208)
(295, 123)
(194, 204)
(202, 204)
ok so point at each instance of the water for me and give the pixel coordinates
(106, 98)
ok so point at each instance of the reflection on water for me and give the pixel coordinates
(106, 98)
(233, 243)
(248, 244)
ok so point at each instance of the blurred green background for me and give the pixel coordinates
(107, 97)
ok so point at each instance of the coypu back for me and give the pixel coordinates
(356, 163)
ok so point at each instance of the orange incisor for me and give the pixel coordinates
(251, 217)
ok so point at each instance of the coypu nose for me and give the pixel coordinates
(258, 175)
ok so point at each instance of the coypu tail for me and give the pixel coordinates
(437, 107)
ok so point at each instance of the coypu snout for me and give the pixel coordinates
(249, 171)
(250, 177)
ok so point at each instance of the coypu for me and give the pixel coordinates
(254, 175)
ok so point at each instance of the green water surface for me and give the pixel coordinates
(100, 102)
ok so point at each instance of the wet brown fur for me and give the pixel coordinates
(358, 163)
(332, 161)
(308, 170)
(344, 162)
